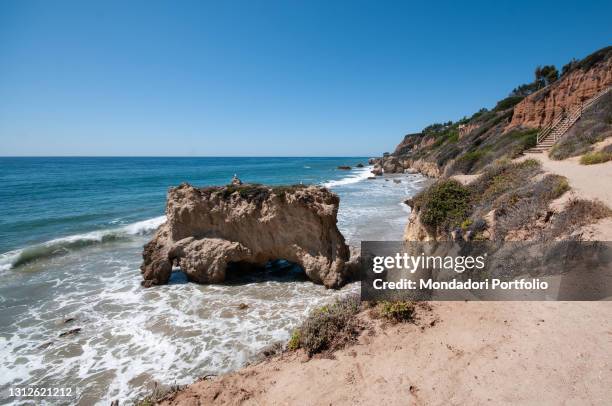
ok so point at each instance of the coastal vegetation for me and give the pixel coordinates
(444, 205)
(507, 194)
(334, 326)
(597, 157)
(328, 328)
(251, 192)
(578, 213)
(398, 311)
(157, 394)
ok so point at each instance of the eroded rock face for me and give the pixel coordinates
(415, 230)
(392, 165)
(207, 229)
(543, 107)
(427, 168)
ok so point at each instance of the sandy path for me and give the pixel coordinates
(587, 181)
(545, 353)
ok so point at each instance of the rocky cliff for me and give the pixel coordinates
(589, 77)
(208, 229)
(467, 146)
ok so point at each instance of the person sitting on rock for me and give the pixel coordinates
(236, 181)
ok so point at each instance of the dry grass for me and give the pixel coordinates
(578, 213)
(597, 157)
(158, 394)
(594, 126)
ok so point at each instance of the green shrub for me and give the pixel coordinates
(467, 161)
(251, 192)
(524, 139)
(328, 328)
(502, 177)
(596, 57)
(466, 224)
(508, 102)
(597, 157)
(396, 311)
(443, 205)
(294, 341)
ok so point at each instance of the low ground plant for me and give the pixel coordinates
(328, 328)
(597, 157)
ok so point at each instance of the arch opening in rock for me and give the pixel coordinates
(177, 277)
(278, 270)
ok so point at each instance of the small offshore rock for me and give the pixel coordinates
(72, 332)
(344, 167)
(359, 165)
(243, 306)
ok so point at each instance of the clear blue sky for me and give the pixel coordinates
(275, 78)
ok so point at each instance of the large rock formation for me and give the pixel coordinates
(207, 229)
(540, 109)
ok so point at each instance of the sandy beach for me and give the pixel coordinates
(456, 353)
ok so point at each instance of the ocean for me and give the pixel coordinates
(71, 237)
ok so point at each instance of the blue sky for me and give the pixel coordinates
(305, 78)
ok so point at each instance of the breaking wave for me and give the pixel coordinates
(61, 246)
(357, 175)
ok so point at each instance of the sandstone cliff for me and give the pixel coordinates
(588, 78)
(207, 229)
(467, 146)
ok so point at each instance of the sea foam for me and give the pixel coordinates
(62, 245)
(356, 175)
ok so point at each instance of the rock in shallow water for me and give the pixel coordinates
(207, 229)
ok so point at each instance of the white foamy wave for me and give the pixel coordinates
(145, 226)
(59, 246)
(357, 175)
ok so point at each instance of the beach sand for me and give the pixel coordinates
(545, 353)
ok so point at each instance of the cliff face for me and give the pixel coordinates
(416, 231)
(541, 108)
(207, 229)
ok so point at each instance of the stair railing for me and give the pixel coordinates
(548, 129)
(572, 117)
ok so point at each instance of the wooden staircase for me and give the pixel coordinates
(551, 133)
